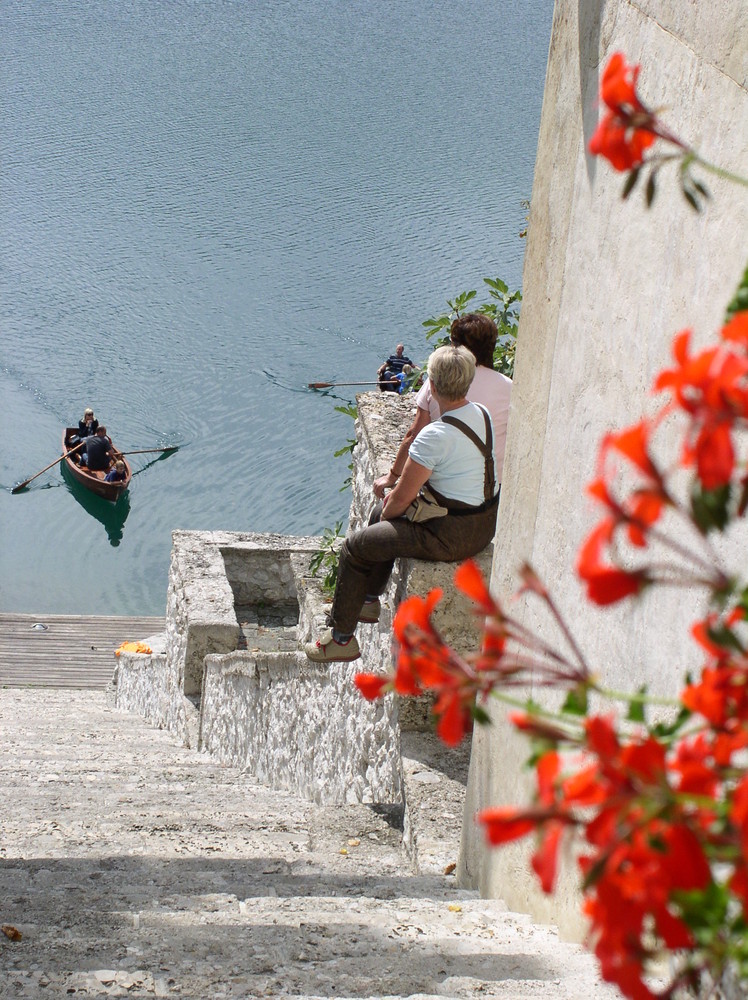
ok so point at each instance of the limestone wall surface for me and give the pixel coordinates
(606, 286)
(301, 726)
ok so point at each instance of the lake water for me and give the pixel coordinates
(205, 206)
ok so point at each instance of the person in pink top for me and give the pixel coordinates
(478, 333)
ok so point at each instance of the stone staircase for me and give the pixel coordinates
(134, 866)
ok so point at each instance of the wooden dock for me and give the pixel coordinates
(71, 651)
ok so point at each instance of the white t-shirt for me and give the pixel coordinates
(494, 391)
(457, 466)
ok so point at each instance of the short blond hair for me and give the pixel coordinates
(451, 370)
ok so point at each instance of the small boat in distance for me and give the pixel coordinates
(92, 480)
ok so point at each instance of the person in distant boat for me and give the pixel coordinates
(97, 451)
(479, 334)
(86, 427)
(402, 379)
(389, 370)
(117, 473)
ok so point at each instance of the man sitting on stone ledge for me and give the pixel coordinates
(478, 333)
(454, 457)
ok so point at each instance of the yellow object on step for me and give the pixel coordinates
(133, 647)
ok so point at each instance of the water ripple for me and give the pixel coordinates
(208, 206)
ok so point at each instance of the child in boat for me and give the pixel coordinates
(117, 473)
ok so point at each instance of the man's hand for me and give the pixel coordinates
(383, 483)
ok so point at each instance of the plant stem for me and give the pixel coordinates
(645, 699)
(727, 175)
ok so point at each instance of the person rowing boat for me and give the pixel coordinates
(390, 370)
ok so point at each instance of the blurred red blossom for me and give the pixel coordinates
(628, 127)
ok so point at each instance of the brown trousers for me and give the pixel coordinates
(367, 557)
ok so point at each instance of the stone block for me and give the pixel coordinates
(301, 726)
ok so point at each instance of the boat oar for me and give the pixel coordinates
(333, 385)
(20, 486)
(149, 451)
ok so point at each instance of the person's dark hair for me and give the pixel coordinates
(101, 431)
(478, 333)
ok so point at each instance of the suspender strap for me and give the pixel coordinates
(485, 447)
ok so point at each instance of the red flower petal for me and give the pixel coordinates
(633, 444)
(505, 823)
(545, 859)
(371, 686)
(613, 585)
(715, 456)
(469, 579)
(453, 723)
(737, 328)
(416, 611)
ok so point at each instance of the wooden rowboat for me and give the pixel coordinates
(92, 480)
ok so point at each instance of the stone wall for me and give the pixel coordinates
(301, 726)
(229, 676)
(606, 285)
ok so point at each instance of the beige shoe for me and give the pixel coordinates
(326, 650)
(370, 612)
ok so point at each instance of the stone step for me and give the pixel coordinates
(135, 867)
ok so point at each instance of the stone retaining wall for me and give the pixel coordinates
(300, 725)
(229, 675)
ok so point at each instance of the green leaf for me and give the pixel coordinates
(710, 508)
(636, 705)
(701, 188)
(480, 715)
(691, 199)
(577, 701)
(664, 730)
(739, 301)
(651, 189)
(723, 636)
(631, 179)
(539, 747)
(743, 501)
(346, 449)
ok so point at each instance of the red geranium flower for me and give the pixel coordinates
(606, 584)
(711, 386)
(628, 128)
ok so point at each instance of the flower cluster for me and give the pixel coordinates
(710, 389)
(660, 809)
(629, 129)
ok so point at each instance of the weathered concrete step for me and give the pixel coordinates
(134, 867)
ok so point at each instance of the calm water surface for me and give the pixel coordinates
(205, 206)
